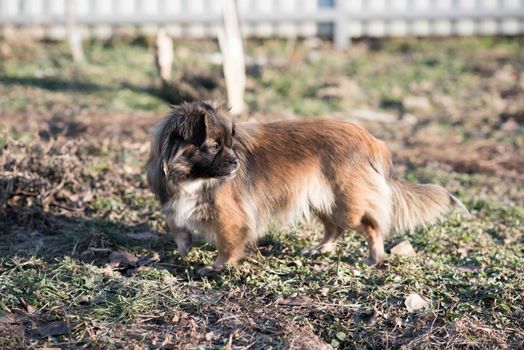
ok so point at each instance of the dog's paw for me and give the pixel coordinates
(373, 262)
(183, 250)
(310, 252)
(184, 243)
(208, 271)
(323, 249)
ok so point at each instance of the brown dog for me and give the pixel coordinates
(228, 182)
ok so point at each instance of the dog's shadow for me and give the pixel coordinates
(31, 232)
(288, 244)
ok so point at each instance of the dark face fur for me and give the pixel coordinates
(193, 142)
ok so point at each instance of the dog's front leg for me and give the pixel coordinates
(183, 238)
(231, 245)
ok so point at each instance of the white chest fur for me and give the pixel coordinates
(184, 208)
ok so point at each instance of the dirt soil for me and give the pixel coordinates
(84, 258)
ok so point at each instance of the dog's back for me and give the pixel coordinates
(229, 181)
(334, 169)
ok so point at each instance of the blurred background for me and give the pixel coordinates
(442, 77)
(83, 81)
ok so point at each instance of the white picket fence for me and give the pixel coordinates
(343, 19)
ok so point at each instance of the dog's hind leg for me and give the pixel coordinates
(369, 228)
(329, 242)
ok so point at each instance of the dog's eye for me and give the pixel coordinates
(214, 147)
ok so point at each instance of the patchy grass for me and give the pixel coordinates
(85, 262)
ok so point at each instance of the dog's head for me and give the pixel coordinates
(194, 141)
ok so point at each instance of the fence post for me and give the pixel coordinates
(73, 34)
(230, 42)
(164, 56)
(341, 37)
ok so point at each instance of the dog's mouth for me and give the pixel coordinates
(231, 174)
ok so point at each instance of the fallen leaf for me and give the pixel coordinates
(341, 335)
(509, 125)
(469, 268)
(463, 252)
(404, 248)
(397, 322)
(324, 292)
(318, 268)
(100, 250)
(366, 317)
(297, 262)
(8, 318)
(409, 118)
(375, 115)
(28, 307)
(143, 235)
(506, 74)
(417, 104)
(122, 258)
(449, 305)
(50, 329)
(155, 257)
(415, 302)
(144, 261)
(35, 233)
(84, 197)
(294, 301)
(303, 337)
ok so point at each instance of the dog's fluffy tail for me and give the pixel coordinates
(415, 204)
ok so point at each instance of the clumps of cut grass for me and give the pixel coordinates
(59, 274)
(85, 261)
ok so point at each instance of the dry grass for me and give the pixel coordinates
(84, 261)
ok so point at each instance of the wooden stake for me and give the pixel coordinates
(164, 56)
(230, 41)
(73, 34)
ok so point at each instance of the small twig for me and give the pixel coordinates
(100, 250)
(230, 342)
(58, 205)
(338, 261)
(226, 318)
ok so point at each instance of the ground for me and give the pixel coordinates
(84, 258)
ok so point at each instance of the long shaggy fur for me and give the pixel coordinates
(286, 171)
(414, 205)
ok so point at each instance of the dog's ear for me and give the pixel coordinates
(188, 121)
(162, 143)
(184, 125)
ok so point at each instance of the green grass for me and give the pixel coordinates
(55, 252)
(100, 82)
(338, 289)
